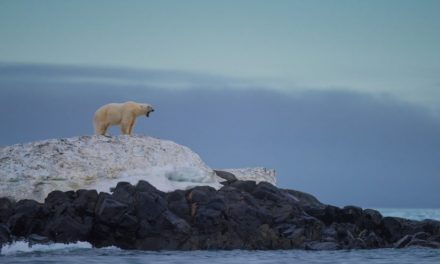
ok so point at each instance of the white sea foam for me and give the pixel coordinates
(20, 247)
(412, 213)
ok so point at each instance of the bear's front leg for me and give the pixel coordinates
(101, 129)
(130, 130)
(125, 128)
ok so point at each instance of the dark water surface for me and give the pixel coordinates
(82, 253)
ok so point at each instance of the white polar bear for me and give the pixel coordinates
(123, 114)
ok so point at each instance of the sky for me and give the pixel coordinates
(340, 97)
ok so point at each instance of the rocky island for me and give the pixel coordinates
(163, 197)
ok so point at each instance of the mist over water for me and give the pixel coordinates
(343, 147)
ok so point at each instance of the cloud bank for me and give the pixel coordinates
(345, 147)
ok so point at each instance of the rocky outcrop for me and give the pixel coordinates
(239, 215)
(164, 197)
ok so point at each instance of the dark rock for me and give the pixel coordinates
(29, 217)
(124, 192)
(421, 235)
(369, 219)
(345, 233)
(327, 214)
(128, 222)
(110, 211)
(144, 186)
(241, 215)
(291, 231)
(102, 235)
(403, 241)
(85, 202)
(200, 194)
(37, 239)
(312, 227)
(329, 233)
(431, 226)
(57, 199)
(372, 240)
(305, 199)
(178, 204)
(66, 229)
(392, 228)
(209, 219)
(357, 243)
(284, 212)
(435, 238)
(6, 209)
(266, 191)
(176, 224)
(322, 246)
(266, 238)
(5, 234)
(149, 205)
(146, 229)
(58, 204)
(423, 243)
(156, 243)
(349, 214)
(247, 186)
(229, 177)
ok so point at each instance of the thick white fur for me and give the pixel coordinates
(123, 114)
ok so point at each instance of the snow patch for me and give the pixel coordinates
(33, 170)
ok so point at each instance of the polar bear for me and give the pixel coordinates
(123, 114)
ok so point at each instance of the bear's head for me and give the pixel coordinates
(146, 109)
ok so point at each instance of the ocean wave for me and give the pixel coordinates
(412, 213)
(20, 247)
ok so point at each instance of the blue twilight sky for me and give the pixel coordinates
(368, 46)
(341, 97)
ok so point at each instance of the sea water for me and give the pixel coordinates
(83, 252)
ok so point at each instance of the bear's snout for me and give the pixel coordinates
(148, 113)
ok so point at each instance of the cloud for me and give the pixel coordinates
(14, 72)
(344, 147)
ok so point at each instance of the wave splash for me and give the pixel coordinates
(23, 247)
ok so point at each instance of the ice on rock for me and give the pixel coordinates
(257, 174)
(32, 170)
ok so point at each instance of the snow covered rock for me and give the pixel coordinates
(32, 170)
(257, 174)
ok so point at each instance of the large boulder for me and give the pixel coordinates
(5, 234)
(6, 209)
